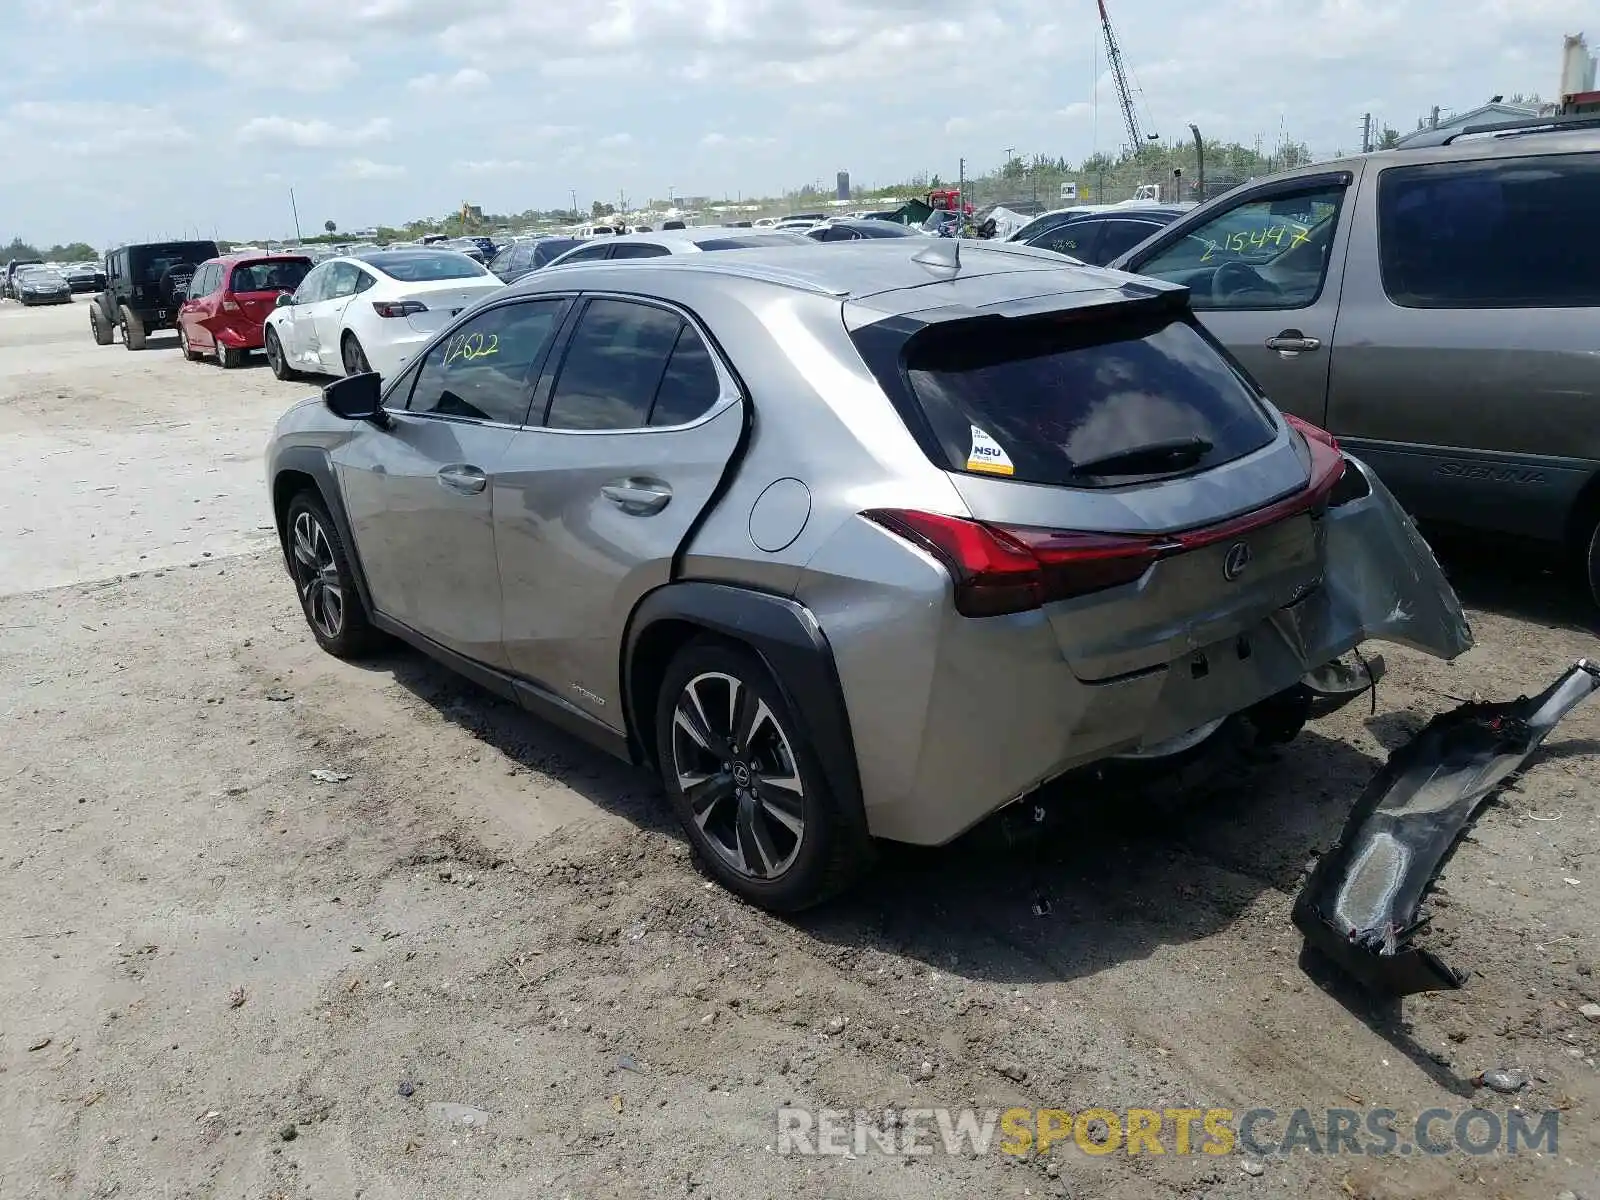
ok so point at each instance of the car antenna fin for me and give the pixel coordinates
(944, 253)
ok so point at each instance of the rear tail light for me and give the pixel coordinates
(998, 569)
(230, 305)
(398, 308)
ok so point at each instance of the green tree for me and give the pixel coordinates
(329, 226)
(1388, 139)
(18, 249)
(71, 252)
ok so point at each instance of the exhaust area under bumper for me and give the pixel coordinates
(1360, 907)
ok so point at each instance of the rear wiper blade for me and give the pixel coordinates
(1173, 454)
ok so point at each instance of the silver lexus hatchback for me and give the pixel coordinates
(848, 542)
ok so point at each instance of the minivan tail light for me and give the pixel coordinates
(998, 570)
(398, 308)
(1312, 433)
(229, 304)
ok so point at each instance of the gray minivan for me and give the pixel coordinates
(1433, 307)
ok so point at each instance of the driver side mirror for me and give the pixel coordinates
(357, 398)
(284, 300)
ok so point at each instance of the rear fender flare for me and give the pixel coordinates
(313, 462)
(787, 638)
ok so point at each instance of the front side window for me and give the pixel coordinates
(1513, 233)
(1074, 239)
(311, 287)
(1270, 253)
(614, 366)
(484, 370)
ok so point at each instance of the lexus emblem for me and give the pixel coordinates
(1238, 559)
(741, 775)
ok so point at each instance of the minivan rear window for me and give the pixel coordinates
(1081, 402)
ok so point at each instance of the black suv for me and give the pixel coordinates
(145, 286)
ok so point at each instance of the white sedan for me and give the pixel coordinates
(371, 312)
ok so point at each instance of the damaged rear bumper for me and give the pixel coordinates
(1361, 905)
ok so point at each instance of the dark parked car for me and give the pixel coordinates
(845, 229)
(516, 260)
(146, 284)
(1433, 307)
(7, 287)
(41, 285)
(1095, 236)
(85, 277)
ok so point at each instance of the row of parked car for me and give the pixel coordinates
(30, 281)
(1431, 306)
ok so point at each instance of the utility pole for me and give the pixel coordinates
(574, 194)
(1366, 133)
(296, 211)
(1200, 161)
(961, 195)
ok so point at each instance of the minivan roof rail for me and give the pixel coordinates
(1553, 124)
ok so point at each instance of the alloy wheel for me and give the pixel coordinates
(355, 358)
(274, 354)
(317, 575)
(737, 770)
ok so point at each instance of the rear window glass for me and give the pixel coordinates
(283, 275)
(419, 266)
(1041, 400)
(150, 263)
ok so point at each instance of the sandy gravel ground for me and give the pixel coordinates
(481, 963)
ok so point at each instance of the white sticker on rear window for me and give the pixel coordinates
(987, 456)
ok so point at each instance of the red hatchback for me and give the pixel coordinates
(228, 302)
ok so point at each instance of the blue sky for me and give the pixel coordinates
(127, 119)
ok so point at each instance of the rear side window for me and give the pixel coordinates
(614, 365)
(1514, 233)
(1059, 402)
(1117, 237)
(638, 250)
(690, 385)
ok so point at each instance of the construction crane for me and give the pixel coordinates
(1130, 117)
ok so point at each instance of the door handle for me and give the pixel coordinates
(1292, 341)
(638, 497)
(459, 477)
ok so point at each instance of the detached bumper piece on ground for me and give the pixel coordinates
(1361, 903)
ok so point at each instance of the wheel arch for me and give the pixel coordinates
(307, 468)
(781, 632)
(1582, 516)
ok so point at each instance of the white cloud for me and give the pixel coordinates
(494, 166)
(467, 79)
(722, 141)
(798, 88)
(365, 168)
(315, 133)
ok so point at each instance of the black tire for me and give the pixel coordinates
(228, 357)
(276, 360)
(188, 350)
(352, 356)
(319, 566)
(101, 329)
(1591, 563)
(805, 852)
(132, 329)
